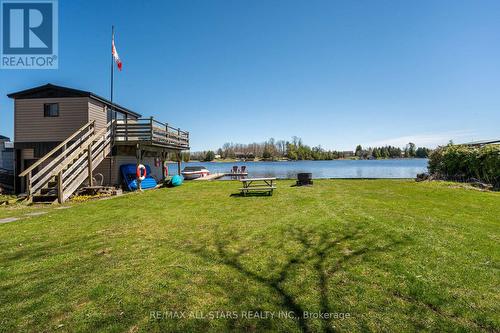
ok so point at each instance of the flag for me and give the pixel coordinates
(115, 54)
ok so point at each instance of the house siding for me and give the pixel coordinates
(97, 112)
(30, 125)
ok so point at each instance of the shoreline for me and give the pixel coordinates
(277, 161)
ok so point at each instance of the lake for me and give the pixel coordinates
(394, 168)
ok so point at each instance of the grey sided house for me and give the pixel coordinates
(65, 138)
(6, 164)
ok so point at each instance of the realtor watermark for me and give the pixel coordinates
(29, 34)
(257, 315)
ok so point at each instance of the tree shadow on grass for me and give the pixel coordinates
(326, 254)
(42, 273)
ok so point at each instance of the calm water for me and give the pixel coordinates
(396, 168)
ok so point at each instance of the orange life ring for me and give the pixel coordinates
(139, 174)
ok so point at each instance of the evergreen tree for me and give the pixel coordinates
(411, 149)
(209, 156)
(358, 151)
(422, 152)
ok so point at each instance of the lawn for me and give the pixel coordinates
(376, 255)
(19, 209)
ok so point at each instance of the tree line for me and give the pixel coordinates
(410, 151)
(295, 149)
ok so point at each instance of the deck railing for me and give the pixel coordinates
(151, 130)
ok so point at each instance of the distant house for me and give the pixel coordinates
(244, 156)
(63, 137)
(346, 154)
(6, 154)
(6, 164)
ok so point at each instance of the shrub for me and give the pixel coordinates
(266, 154)
(463, 163)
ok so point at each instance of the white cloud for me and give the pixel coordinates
(430, 140)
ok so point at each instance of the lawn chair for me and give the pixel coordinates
(235, 169)
(243, 169)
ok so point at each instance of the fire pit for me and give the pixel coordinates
(304, 178)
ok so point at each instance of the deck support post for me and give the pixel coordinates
(138, 155)
(178, 154)
(89, 162)
(60, 190)
(28, 186)
(163, 166)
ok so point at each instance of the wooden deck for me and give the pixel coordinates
(212, 176)
(152, 132)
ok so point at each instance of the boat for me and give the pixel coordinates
(194, 172)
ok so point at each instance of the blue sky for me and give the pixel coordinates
(335, 73)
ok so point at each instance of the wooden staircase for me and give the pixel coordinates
(57, 175)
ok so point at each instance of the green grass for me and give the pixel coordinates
(395, 255)
(20, 209)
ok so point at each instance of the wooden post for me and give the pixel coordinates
(178, 163)
(60, 190)
(166, 131)
(138, 155)
(151, 124)
(64, 151)
(163, 164)
(28, 185)
(126, 127)
(89, 162)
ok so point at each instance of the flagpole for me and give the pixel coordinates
(112, 70)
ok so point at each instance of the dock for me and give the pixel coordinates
(214, 176)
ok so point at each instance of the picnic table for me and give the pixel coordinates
(257, 185)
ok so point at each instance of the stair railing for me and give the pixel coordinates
(70, 179)
(36, 180)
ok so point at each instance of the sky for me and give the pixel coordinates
(335, 73)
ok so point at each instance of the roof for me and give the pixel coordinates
(4, 138)
(53, 91)
(481, 143)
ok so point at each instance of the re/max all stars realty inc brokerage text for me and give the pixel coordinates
(211, 315)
